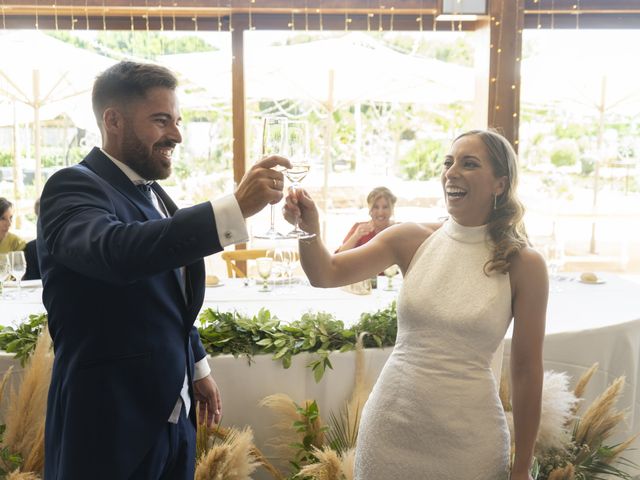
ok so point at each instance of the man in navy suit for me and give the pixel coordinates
(123, 280)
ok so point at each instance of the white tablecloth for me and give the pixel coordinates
(586, 324)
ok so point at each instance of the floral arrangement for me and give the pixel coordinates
(573, 445)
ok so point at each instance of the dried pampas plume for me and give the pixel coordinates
(229, 460)
(563, 473)
(330, 465)
(601, 417)
(26, 409)
(558, 403)
(22, 476)
(556, 411)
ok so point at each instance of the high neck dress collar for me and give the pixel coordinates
(464, 234)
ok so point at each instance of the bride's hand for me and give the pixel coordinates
(299, 205)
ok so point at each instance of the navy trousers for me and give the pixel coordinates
(173, 457)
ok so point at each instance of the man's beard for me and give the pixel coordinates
(142, 161)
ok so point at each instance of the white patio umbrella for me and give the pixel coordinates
(586, 77)
(45, 77)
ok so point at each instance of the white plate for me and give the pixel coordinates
(593, 282)
(219, 284)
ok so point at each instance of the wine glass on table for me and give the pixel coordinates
(18, 266)
(274, 133)
(5, 271)
(390, 272)
(298, 153)
(264, 270)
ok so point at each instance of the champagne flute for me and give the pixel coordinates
(274, 133)
(18, 266)
(390, 272)
(264, 270)
(298, 153)
(5, 271)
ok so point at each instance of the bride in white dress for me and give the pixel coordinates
(434, 412)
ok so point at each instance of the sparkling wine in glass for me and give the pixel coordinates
(390, 272)
(298, 153)
(264, 270)
(5, 271)
(18, 266)
(274, 134)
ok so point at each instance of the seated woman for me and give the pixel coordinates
(9, 242)
(31, 252)
(381, 203)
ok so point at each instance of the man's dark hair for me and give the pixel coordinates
(127, 81)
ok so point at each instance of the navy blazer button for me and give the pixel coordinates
(227, 234)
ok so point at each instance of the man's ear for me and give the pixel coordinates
(112, 120)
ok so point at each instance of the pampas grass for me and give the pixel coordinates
(558, 403)
(557, 406)
(229, 460)
(287, 413)
(330, 465)
(22, 476)
(25, 413)
(601, 417)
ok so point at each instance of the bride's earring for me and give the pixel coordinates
(495, 201)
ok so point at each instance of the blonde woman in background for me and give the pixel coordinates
(381, 204)
(9, 242)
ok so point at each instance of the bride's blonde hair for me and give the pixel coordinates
(505, 225)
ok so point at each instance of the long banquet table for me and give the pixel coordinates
(585, 324)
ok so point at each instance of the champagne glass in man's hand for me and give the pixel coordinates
(274, 133)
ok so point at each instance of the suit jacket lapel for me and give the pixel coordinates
(105, 168)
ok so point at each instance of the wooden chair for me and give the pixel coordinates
(231, 257)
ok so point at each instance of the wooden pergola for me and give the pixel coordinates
(499, 32)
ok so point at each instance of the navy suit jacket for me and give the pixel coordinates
(122, 329)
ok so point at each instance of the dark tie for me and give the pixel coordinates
(146, 191)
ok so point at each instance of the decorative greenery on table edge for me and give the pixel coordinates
(240, 335)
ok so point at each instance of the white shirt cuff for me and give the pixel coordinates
(201, 369)
(229, 221)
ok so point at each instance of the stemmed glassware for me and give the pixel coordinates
(264, 270)
(18, 266)
(5, 271)
(390, 272)
(274, 134)
(298, 153)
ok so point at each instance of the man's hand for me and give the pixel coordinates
(207, 394)
(262, 184)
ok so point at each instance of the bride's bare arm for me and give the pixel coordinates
(394, 245)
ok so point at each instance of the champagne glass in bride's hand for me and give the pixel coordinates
(274, 134)
(18, 266)
(298, 153)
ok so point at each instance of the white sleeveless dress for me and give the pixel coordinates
(434, 412)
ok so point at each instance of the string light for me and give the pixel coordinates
(146, 16)
(539, 13)
(161, 15)
(219, 18)
(576, 7)
(4, 21)
(391, 19)
(306, 16)
(251, 2)
(320, 19)
(380, 7)
(195, 22)
(292, 23)
(73, 19)
(55, 15)
(37, 22)
(104, 17)
(553, 6)
(86, 13)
